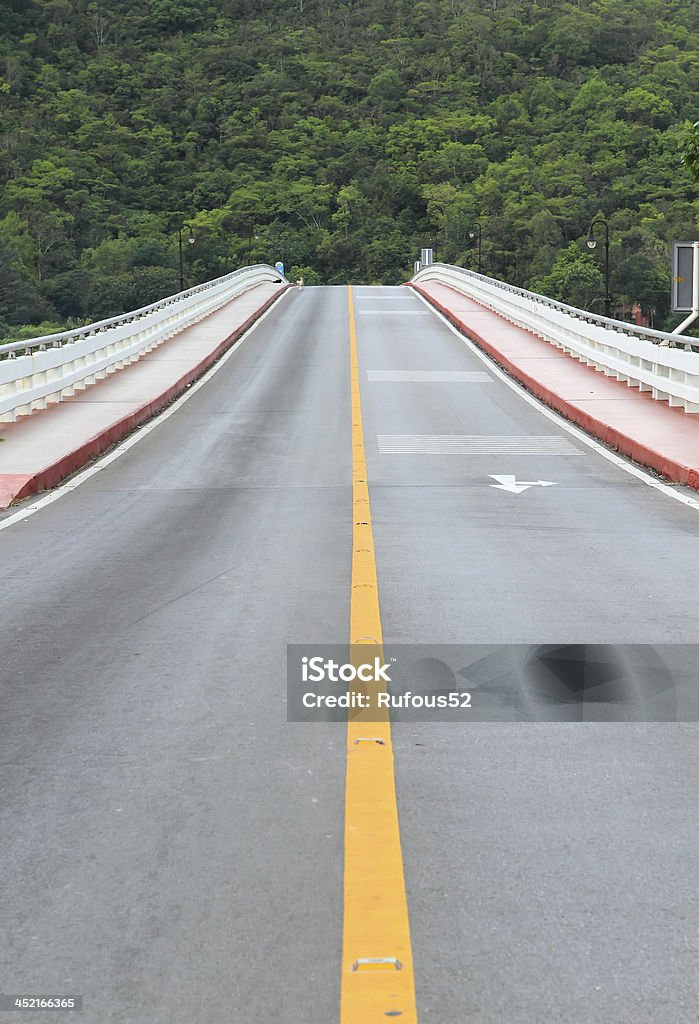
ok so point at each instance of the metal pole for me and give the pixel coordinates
(191, 239)
(607, 294)
(591, 243)
(472, 234)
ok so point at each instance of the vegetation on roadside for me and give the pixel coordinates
(340, 136)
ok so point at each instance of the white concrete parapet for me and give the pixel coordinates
(40, 371)
(636, 355)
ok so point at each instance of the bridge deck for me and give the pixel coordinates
(173, 847)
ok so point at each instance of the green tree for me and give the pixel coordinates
(345, 135)
(690, 155)
(574, 279)
(19, 299)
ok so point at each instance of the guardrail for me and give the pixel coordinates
(636, 355)
(40, 371)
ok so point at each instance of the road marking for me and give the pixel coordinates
(511, 484)
(394, 312)
(430, 376)
(474, 444)
(376, 929)
(641, 474)
(25, 512)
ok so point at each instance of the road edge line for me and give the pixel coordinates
(616, 458)
(51, 475)
(677, 472)
(24, 512)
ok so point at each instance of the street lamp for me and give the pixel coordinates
(191, 240)
(479, 233)
(592, 244)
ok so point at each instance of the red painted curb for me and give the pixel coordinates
(628, 446)
(52, 475)
(10, 486)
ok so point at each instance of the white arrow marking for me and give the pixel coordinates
(509, 483)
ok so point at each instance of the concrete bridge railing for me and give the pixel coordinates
(639, 356)
(40, 371)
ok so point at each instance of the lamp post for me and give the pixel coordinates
(190, 239)
(478, 232)
(592, 244)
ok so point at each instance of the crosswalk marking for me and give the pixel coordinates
(475, 444)
(431, 376)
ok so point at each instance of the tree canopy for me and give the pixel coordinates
(341, 136)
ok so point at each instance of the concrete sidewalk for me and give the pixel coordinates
(39, 450)
(648, 431)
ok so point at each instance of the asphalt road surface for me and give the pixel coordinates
(172, 847)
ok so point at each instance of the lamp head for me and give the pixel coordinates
(591, 242)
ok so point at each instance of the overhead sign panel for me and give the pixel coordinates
(682, 276)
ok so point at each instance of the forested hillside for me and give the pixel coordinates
(340, 137)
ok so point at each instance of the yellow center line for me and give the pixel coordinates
(377, 965)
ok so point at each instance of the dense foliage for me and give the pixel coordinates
(340, 137)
